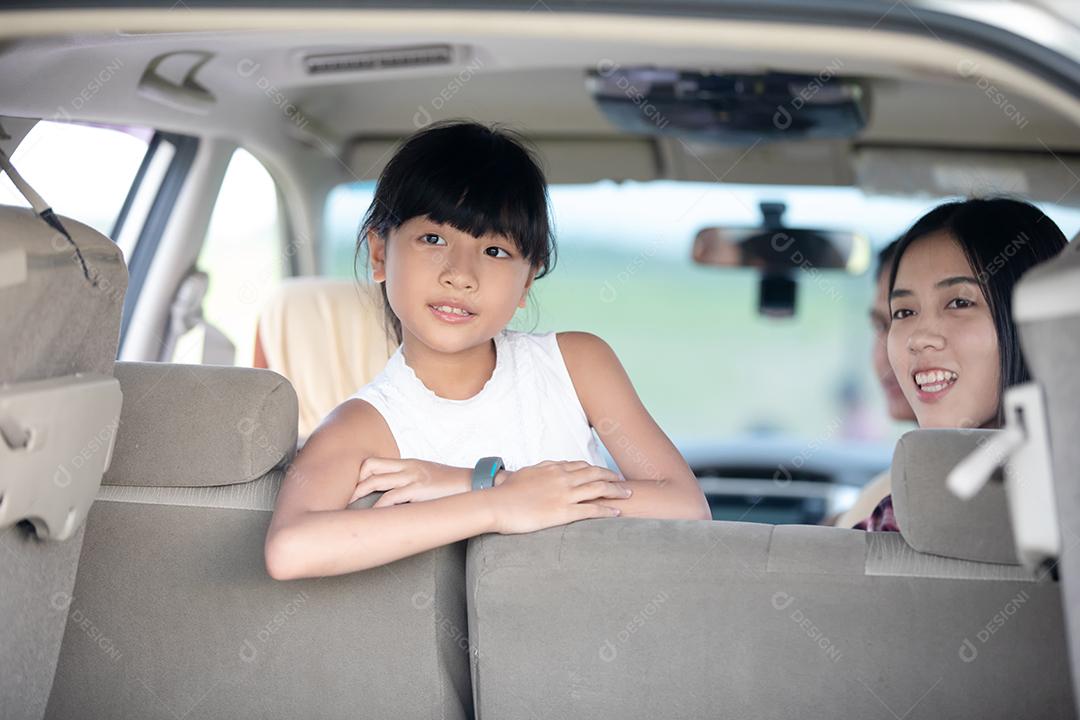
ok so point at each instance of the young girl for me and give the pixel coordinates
(952, 343)
(457, 232)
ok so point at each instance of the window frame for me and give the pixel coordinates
(149, 238)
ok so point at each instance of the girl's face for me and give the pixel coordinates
(428, 265)
(942, 342)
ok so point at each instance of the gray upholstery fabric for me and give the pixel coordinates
(630, 618)
(200, 425)
(57, 322)
(193, 626)
(53, 322)
(889, 554)
(931, 518)
(258, 495)
(36, 579)
(1052, 349)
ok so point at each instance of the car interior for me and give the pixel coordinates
(182, 303)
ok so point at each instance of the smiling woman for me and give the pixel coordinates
(942, 324)
(952, 343)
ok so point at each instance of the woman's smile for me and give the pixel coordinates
(934, 383)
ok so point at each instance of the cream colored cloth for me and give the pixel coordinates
(872, 494)
(328, 337)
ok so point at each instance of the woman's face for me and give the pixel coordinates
(942, 342)
(427, 265)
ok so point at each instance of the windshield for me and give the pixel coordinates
(705, 362)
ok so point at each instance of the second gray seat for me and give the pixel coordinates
(174, 614)
(625, 618)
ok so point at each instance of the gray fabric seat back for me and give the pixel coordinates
(60, 315)
(60, 306)
(174, 614)
(1046, 306)
(645, 618)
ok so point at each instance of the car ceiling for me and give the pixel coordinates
(531, 76)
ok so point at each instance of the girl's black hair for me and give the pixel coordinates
(475, 178)
(1001, 238)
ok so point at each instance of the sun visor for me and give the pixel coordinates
(1035, 176)
(804, 162)
(574, 160)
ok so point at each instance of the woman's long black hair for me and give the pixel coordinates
(1002, 238)
(475, 178)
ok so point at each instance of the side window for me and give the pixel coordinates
(345, 207)
(84, 171)
(243, 257)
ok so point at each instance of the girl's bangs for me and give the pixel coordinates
(488, 209)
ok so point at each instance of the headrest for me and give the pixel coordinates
(1049, 291)
(61, 298)
(327, 337)
(932, 519)
(62, 287)
(200, 425)
(1046, 307)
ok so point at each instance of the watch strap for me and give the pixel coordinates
(483, 474)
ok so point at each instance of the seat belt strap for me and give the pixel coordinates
(43, 210)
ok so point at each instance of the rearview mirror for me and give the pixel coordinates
(779, 253)
(771, 250)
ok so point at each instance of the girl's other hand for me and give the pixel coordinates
(553, 493)
(403, 481)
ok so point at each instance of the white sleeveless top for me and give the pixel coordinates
(527, 412)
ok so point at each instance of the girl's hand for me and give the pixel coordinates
(410, 480)
(553, 493)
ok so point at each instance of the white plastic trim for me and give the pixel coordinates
(56, 442)
(1023, 448)
(1052, 291)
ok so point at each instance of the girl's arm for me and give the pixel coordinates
(312, 534)
(663, 484)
